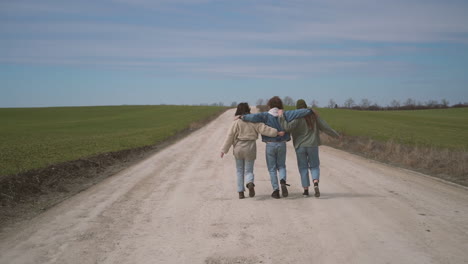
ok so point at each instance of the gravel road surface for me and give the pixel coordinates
(181, 206)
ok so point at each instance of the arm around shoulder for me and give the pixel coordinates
(255, 118)
(298, 113)
(266, 130)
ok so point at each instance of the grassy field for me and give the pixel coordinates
(440, 128)
(33, 138)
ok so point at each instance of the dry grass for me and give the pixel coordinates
(450, 165)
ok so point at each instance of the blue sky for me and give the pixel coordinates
(113, 52)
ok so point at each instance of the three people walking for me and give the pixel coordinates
(275, 127)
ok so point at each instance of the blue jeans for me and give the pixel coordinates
(276, 161)
(308, 159)
(244, 168)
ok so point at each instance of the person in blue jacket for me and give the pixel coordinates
(276, 146)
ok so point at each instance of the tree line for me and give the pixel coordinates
(366, 104)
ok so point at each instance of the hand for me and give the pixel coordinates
(280, 112)
(222, 154)
(237, 117)
(281, 133)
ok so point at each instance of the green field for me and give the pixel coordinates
(441, 128)
(36, 137)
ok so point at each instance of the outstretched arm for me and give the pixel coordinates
(267, 130)
(323, 126)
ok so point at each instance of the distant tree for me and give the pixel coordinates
(234, 104)
(260, 101)
(331, 103)
(409, 102)
(445, 103)
(314, 103)
(365, 103)
(432, 103)
(460, 104)
(395, 104)
(349, 103)
(374, 107)
(287, 100)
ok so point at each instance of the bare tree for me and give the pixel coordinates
(445, 103)
(349, 103)
(365, 103)
(395, 104)
(314, 103)
(432, 103)
(260, 101)
(288, 100)
(409, 102)
(234, 104)
(331, 103)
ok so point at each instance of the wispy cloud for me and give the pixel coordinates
(303, 37)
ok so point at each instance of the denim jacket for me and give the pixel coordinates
(270, 118)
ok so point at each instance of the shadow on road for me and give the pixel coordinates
(324, 196)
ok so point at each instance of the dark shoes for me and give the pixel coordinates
(317, 191)
(275, 194)
(284, 189)
(241, 195)
(306, 193)
(251, 188)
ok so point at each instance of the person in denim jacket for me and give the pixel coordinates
(276, 146)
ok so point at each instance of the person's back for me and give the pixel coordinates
(271, 119)
(306, 138)
(243, 135)
(302, 135)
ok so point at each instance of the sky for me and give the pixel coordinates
(149, 52)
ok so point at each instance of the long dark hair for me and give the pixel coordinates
(242, 109)
(310, 119)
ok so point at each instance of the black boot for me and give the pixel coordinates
(284, 189)
(316, 188)
(241, 195)
(251, 188)
(275, 194)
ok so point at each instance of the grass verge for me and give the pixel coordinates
(27, 193)
(447, 164)
(434, 142)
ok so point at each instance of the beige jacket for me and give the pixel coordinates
(242, 135)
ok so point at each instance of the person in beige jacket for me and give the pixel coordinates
(243, 136)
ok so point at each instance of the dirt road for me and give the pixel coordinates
(181, 206)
